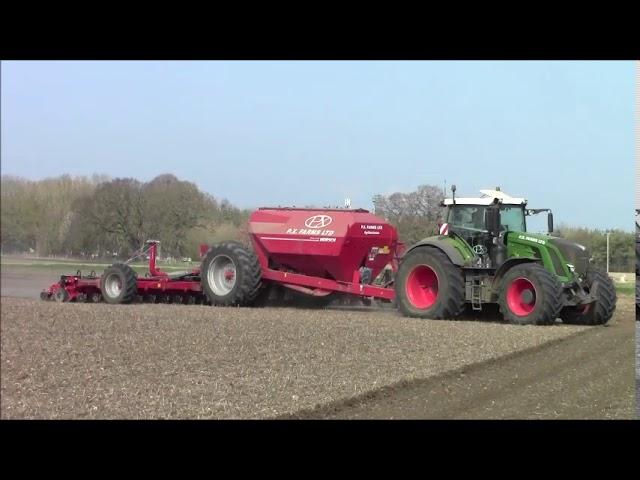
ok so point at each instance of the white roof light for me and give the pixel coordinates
(487, 198)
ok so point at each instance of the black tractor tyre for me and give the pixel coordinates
(246, 283)
(429, 267)
(118, 284)
(547, 295)
(599, 312)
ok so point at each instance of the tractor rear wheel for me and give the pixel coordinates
(230, 275)
(599, 312)
(530, 295)
(429, 285)
(119, 284)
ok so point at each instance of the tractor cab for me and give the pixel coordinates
(493, 212)
(484, 222)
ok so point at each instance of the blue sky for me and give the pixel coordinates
(295, 133)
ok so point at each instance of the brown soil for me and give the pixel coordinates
(169, 361)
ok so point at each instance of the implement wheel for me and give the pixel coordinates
(429, 285)
(118, 284)
(530, 295)
(61, 295)
(600, 285)
(230, 275)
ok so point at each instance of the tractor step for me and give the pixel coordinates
(476, 294)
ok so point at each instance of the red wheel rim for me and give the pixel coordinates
(517, 294)
(422, 287)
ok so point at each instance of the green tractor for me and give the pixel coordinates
(484, 255)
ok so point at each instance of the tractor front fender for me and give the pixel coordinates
(445, 245)
(508, 264)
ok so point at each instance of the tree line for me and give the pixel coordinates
(101, 217)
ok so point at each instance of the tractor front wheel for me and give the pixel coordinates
(599, 312)
(429, 285)
(530, 295)
(231, 275)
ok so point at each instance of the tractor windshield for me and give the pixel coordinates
(472, 217)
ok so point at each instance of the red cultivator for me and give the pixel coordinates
(312, 254)
(120, 284)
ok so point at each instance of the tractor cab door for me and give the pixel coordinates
(470, 223)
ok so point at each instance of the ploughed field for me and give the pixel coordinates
(77, 361)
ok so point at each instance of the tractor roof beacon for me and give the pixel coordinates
(484, 254)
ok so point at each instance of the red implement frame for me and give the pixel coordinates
(157, 282)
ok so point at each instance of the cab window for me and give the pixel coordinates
(471, 216)
(512, 218)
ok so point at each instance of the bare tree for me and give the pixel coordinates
(416, 214)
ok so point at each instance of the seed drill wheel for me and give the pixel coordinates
(118, 284)
(61, 295)
(429, 285)
(598, 312)
(230, 275)
(530, 295)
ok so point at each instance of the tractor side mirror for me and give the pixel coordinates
(550, 221)
(492, 220)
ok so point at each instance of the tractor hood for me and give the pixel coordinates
(574, 253)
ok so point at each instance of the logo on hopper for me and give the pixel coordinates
(315, 226)
(318, 221)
